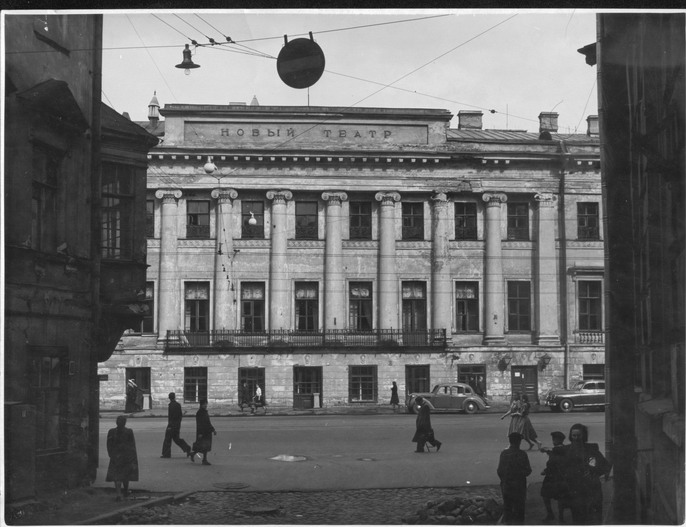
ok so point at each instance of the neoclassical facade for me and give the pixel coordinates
(324, 252)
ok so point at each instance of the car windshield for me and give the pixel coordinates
(578, 385)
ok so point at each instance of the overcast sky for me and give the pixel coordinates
(516, 62)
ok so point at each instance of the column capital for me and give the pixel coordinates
(279, 196)
(334, 198)
(168, 195)
(387, 198)
(494, 199)
(545, 199)
(439, 197)
(224, 195)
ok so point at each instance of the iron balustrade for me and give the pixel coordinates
(228, 341)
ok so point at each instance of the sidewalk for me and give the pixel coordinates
(233, 410)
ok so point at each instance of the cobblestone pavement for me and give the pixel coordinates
(349, 507)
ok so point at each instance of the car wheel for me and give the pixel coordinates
(566, 405)
(470, 407)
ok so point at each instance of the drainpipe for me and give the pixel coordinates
(562, 233)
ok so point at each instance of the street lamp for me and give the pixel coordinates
(187, 63)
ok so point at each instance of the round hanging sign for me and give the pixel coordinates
(300, 63)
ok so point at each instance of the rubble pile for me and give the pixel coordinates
(457, 511)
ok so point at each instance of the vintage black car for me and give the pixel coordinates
(584, 394)
(453, 396)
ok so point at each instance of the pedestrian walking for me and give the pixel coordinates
(554, 486)
(245, 396)
(121, 448)
(513, 469)
(424, 433)
(395, 402)
(257, 399)
(173, 431)
(515, 413)
(134, 397)
(527, 429)
(203, 433)
(584, 465)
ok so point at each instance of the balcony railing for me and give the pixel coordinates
(590, 337)
(227, 341)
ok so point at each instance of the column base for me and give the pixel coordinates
(494, 340)
(547, 340)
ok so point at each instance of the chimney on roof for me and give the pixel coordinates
(154, 110)
(593, 127)
(469, 120)
(548, 121)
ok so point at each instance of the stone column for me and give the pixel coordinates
(168, 280)
(224, 293)
(388, 280)
(334, 278)
(279, 288)
(441, 288)
(494, 308)
(548, 332)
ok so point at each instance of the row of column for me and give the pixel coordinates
(335, 312)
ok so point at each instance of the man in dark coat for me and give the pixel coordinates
(174, 416)
(424, 433)
(246, 399)
(554, 486)
(121, 448)
(584, 465)
(203, 433)
(513, 468)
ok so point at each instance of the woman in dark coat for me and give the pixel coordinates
(424, 433)
(584, 465)
(203, 433)
(123, 467)
(394, 396)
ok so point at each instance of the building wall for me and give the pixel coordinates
(429, 173)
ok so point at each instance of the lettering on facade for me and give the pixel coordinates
(269, 132)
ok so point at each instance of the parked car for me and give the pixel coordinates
(454, 396)
(584, 394)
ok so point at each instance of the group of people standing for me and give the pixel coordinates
(121, 444)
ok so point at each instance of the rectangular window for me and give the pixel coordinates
(46, 176)
(361, 306)
(360, 220)
(306, 306)
(519, 306)
(252, 307)
(252, 219)
(517, 221)
(117, 211)
(150, 218)
(413, 221)
(197, 306)
(306, 227)
(148, 324)
(590, 305)
(467, 306)
(194, 384)
(414, 306)
(198, 219)
(587, 221)
(475, 376)
(465, 221)
(362, 383)
(417, 378)
(48, 371)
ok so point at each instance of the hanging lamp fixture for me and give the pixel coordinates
(187, 63)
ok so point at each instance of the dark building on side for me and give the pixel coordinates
(74, 243)
(640, 61)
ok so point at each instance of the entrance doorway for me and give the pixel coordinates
(525, 382)
(307, 387)
(137, 389)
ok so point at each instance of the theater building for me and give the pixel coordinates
(324, 252)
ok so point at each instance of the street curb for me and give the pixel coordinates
(115, 515)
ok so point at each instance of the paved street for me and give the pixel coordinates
(336, 452)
